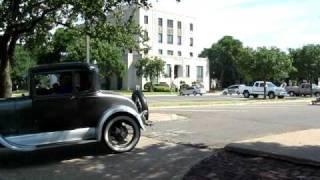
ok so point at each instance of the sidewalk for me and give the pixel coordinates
(267, 158)
(302, 147)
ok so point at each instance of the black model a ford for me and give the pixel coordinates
(66, 106)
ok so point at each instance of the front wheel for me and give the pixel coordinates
(121, 134)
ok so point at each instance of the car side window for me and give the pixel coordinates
(261, 84)
(53, 83)
(256, 85)
(82, 81)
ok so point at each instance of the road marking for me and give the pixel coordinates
(207, 110)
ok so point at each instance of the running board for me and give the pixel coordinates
(32, 142)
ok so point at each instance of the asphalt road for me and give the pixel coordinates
(217, 126)
(171, 147)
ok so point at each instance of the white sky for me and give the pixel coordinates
(281, 23)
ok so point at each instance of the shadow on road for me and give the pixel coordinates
(150, 160)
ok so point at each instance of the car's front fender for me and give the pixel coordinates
(114, 110)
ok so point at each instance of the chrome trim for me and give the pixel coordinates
(117, 109)
(31, 142)
(15, 147)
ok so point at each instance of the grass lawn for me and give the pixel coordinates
(129, 93)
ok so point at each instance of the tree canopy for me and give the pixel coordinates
(150, 68)
(222, 58)
(32, 20)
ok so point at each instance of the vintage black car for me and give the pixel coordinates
(66, 106)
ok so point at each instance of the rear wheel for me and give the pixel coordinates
(317, 94)
(121, 134)
(246, 94)
(291, 93)
(271, 95)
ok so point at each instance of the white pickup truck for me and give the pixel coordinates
(258, 89)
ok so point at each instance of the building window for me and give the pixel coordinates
(179, 53)
(191, 54)
(160, 51)
(191, 41)
(160, 36)
(170, 52)
(179, 24)
(146, 51)
(200, 73)
(170, 23)
(179, 40)
(187, 71)
(191, 27)
(160, 22)
(168, 70)
(146, 20)
(146, 34)
(170, 39)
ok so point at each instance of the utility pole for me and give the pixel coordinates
(88, 48)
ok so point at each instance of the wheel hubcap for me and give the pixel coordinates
(121, 134)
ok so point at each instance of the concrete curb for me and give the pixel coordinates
(235, 148)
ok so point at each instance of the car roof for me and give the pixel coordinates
(63, 66)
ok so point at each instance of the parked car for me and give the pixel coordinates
(192, 90)
(233, 89)
(303, 89)
(66, 106)
(258, 89)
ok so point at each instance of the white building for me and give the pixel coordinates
(173, 38)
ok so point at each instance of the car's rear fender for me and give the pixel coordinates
(110, 112)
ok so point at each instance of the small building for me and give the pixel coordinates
(173, 38)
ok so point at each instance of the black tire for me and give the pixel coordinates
(109, 133)
(255, 96)
(246, 94)
(280, 97)
(141, 102)
(317, 94)
(291, 93)
(271, 95)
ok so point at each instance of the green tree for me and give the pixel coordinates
(222, 57)
(150, 68)
(265, 64)
(23, 61)
(306, 60)
(107, 56)
(31, 20)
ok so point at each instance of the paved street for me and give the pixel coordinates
(168, 149)
(218, 126)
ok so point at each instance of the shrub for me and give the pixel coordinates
(161, 89)
(164, 84)
(147, 86)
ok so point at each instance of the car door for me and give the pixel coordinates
(258, 88)
(54, 104)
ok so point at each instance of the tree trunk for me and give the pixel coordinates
(5, 76)
(5, 81)
(222, 79)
